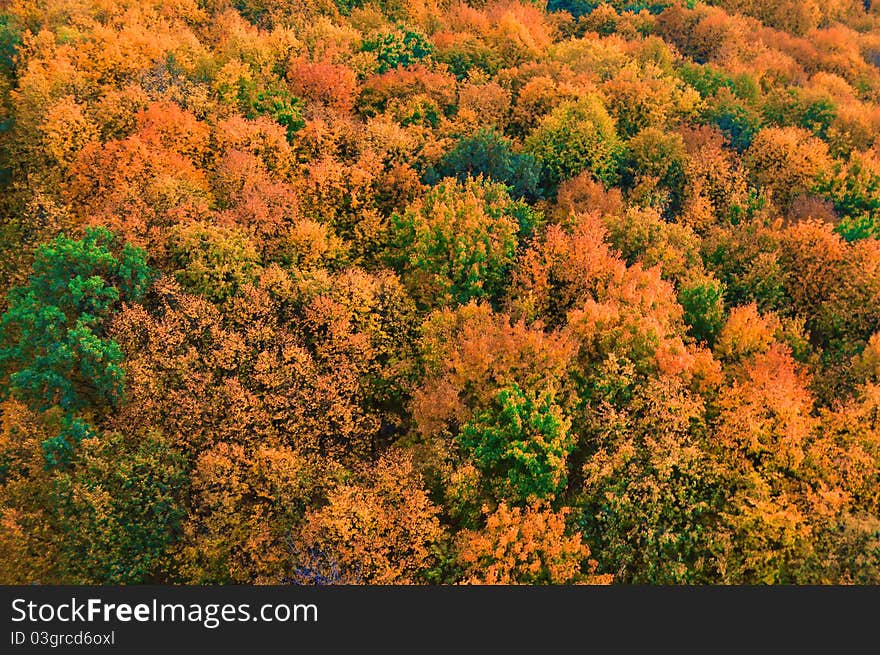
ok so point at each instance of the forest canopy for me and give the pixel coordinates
(439, 292)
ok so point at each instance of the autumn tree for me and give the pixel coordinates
(762, 435)
(213, 261)
(381, 530)
(786, 161)
(641, 97)
(246, 500)
(141, 185)
(30, 540)
(526, 546)
(324, 83)
(821, 269)
(560, 271)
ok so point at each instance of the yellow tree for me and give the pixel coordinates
(379, 529)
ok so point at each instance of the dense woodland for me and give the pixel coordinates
(435, 292)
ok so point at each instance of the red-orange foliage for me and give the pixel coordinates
(526, 547)
(141, 185)
(565, 269)
(254, 201)
(323, 83)
(403, 89)
(206, 379)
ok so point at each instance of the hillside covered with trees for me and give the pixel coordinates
(427, 291)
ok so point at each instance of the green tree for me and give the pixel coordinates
(651, 494)
(489, 154)
(854, 189)
(521, 444)
(577, 136)
(400, 47)
(119, 508)
(459, 242)
(256, 99)
(702, 299)
(654, 170)
(53, 349)
(793, 107)
(736, 118)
